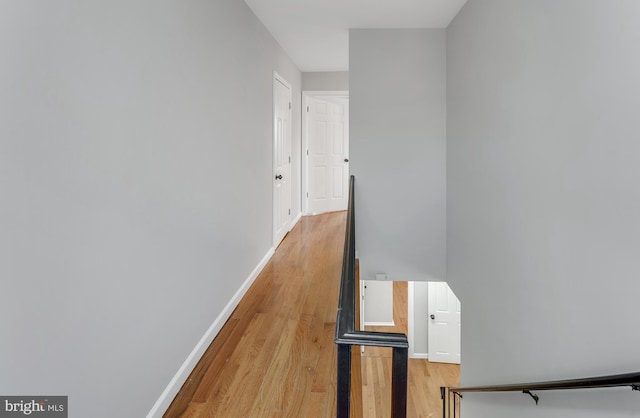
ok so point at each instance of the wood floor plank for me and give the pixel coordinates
(194, 410)
(317, 405)
(270, 396)
(258, 343)
(193, 383)
(328, 358)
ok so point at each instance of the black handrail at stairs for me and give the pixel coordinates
(631, 380)
(347, 334)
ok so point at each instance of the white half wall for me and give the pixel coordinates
(397, 91)
(135, 160)
(543, 200)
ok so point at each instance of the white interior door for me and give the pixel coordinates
(281, 159)
(327, 129)
(444, 324)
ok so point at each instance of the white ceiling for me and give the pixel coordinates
(315, 33)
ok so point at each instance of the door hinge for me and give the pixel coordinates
(289, 105)
(307, 108)
(289, 211)
(289, 158)
(307, 194)
(307, 152)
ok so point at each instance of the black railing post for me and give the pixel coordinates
(453, 400)
(399, 383)
(347, 334)
(343, 389)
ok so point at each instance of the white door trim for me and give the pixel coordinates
(447, 329)
(277, 78)
(411, 323)
(305, 139)
(410, 320)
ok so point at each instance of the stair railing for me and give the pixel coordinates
(452, 396)
(348, 336)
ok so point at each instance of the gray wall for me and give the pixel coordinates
(397, 94)
(543, 199)
(326, 81)
(135, 187)
(378, 302)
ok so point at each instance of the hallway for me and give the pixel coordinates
(275, 357)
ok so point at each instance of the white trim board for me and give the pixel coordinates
(410, 320)
(295, 221)
(172, 389)
(411, 323)
(330, 93)
(380, 324)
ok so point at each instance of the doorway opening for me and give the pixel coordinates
(325, 151)
(392, 308)
(428, 312)
(282, 172)
(434, 322)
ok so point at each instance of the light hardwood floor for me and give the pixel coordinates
(275, 356)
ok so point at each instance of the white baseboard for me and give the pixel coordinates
(295, 221)
(380, 324)
(172, 389)
(419, 355)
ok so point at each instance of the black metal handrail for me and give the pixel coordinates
(631, 380)
(347, 334)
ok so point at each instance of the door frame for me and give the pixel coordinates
(278, 78)
(305, 139)
(430, 294)
(411, 322)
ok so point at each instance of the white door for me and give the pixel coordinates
(327, 154)
(444, 324)
(281, 159)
